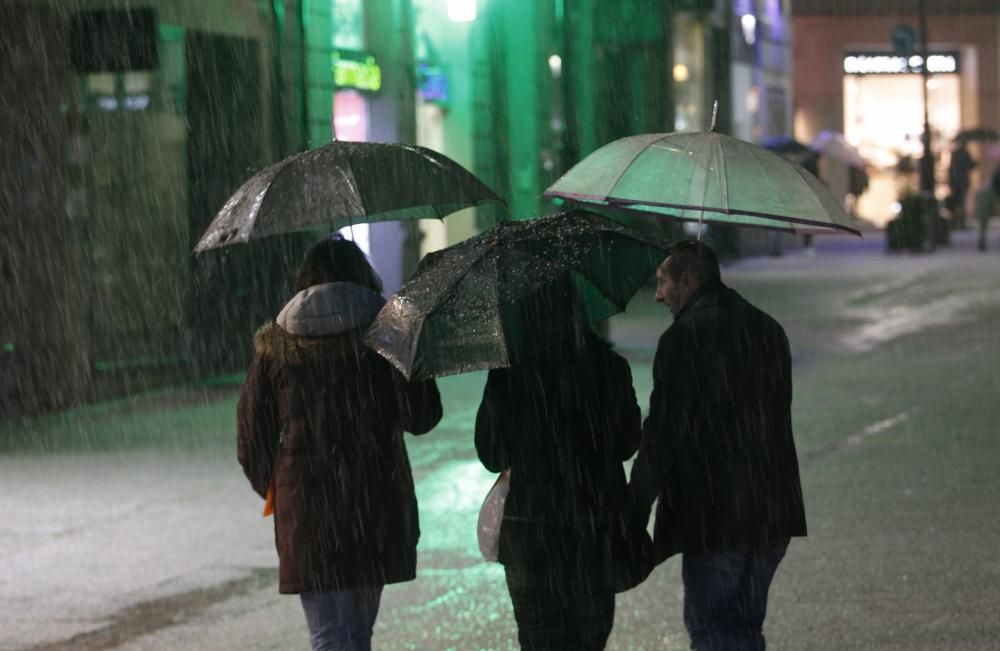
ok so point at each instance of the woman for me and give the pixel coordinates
(563, 418)
(321, 420)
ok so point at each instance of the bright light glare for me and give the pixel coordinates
(359, 234)
(681, 73)
(555, 65)
(749, 24)
(462, 11)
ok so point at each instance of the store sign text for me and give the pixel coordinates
(890, 64)
(356, 70)
(432, 83)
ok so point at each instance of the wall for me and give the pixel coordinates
(115, 209)
(819, 49)
(43, 348)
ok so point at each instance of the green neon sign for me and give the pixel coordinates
(357, 70)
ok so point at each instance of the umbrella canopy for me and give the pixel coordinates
(795, 151)
(704, 177)
(345, 183)
(835, 146)
(982, 134)
(491, 300)
(785, 145)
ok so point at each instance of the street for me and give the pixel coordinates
(129, 524)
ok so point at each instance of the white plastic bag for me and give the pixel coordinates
(491, 515)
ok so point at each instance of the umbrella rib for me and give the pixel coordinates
(354, 183)
(619, 203)
(805, 179)
(283, 167)
(453, 284)
(724, 177)
(625, 167)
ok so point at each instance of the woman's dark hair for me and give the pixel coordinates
(335, 259)
(549, 319)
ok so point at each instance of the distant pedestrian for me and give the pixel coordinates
(811, 164)
(987, 201)
(563, 419)
(958, 181)
(717, 450)
(321, 420)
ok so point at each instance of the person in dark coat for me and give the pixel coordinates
(563, 418)
(717, 450)
(320, 423)
(962, 163)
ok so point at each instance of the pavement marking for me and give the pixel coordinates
(883, 323)
(855, 439)
(164, 612)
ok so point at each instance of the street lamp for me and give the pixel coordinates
(462, 11)
(927, 162)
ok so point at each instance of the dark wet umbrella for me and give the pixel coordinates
(704, 177)
(794, 151)
(482, 303)
(785, 145)
(981, 134)
(345, 183)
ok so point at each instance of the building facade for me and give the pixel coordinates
(859, 72)
(132, 124)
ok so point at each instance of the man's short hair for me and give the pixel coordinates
(695, 257)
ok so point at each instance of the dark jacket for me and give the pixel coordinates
(563, 422)
(717, 445)
(324, 417)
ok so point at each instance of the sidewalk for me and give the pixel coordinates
(134, 528)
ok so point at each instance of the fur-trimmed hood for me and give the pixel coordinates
(320, 321)
(329, 309)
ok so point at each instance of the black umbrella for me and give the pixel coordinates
(345, 183)
(982, 134)
(498, 297)
(785, 145)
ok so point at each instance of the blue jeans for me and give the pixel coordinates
(341, 621)
(725, 595)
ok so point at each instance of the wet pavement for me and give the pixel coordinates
(128, 525)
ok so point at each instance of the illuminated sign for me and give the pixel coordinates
(357, 70)
(866, 63)
(432, 82)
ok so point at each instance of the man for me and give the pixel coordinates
(717, 451)
(958, 181)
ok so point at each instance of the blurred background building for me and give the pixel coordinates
(126, 126)
(858, 73)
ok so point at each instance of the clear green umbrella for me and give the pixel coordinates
(704, 177)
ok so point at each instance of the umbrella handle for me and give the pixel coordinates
(715, 114)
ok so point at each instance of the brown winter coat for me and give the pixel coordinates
(326, 416)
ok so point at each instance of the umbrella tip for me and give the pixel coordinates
(715, 114)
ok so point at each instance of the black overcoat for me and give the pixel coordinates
(717, 445)
(563, 422)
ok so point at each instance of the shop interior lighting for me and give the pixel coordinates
(462, 11)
